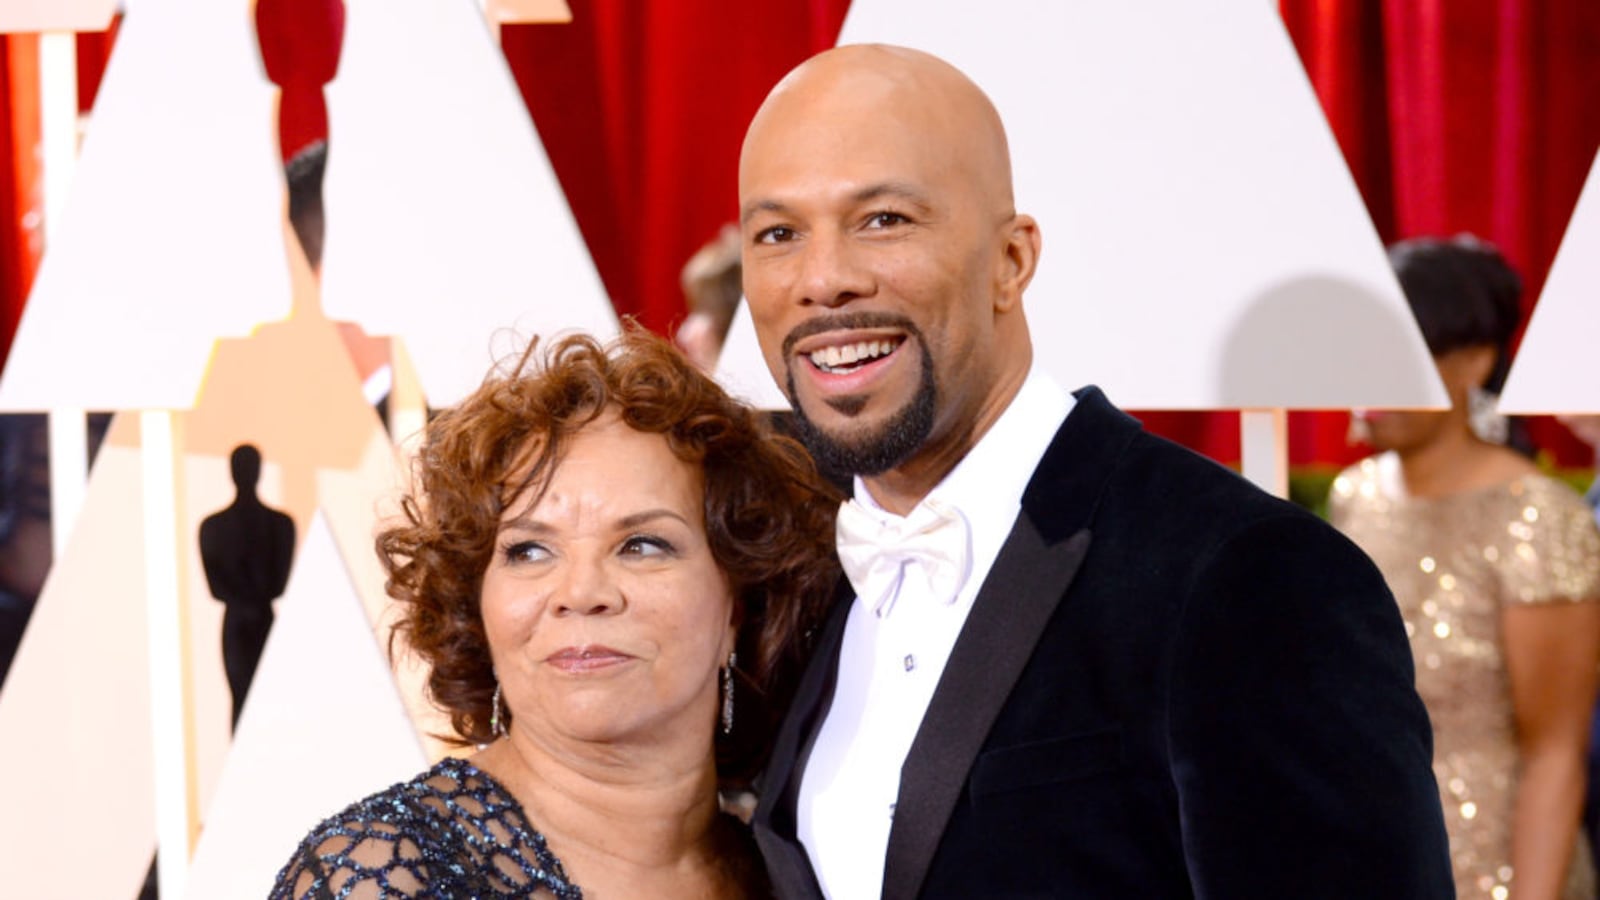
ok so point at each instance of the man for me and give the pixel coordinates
(1073, 660)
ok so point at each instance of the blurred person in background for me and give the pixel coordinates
(1587, 429)
(24, 526)
(711, 287)
(1497, 569)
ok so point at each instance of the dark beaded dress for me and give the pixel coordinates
(451, 832)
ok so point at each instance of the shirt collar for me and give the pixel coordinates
(987, 484)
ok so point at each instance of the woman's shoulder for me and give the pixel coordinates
(1553, 494)
(1554, 544)
(1358, 483)
(451, 823)
(364, 841)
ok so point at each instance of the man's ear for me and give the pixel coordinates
(1019, 259)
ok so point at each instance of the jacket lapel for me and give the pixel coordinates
(1026, 583)
(774, 822)
(1024, 586)
(1029, 577)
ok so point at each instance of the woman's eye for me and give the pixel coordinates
(526, 551)
(646, 545)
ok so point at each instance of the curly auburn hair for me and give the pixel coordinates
(768, 517)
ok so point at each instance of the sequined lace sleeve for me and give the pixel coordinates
(1552, 547)
(451, 832)
(351, 858)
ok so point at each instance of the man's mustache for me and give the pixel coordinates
(847, 322)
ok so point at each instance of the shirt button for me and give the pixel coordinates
(911, 662)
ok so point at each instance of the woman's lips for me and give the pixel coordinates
(588, 658)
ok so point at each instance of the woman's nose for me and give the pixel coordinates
(589, 589)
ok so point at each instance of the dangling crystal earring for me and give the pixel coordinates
(1484, 418)
(727, 692)
(497, 722)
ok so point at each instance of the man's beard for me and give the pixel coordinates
(885, 447)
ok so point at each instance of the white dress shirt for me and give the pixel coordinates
(890, 660)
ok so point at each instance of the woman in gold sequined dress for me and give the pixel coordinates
(1496, 569)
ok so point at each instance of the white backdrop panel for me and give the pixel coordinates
(75, 708)
(322, 727)
(1557, 368)
(172, 235)
(445, 220)
(56, 15)
(1204, 245)
(741, 370)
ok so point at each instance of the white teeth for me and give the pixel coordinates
(830, 358)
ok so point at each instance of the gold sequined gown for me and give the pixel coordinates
(1453, 563)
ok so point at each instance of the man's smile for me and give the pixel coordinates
(843, 354)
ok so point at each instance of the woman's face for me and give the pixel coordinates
(607, 617)
(1408, 430)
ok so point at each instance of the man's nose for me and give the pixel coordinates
(589, 590)
(833, 272)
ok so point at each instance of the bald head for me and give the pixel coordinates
(884, 262)
(849, 92)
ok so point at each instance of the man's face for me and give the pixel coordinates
(870, 266)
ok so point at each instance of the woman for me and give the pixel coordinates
(607, 565)
(1495, 568)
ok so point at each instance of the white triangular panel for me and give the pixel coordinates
(1556, 368)
(445, 220)
(357, 503)
(75, 709)
(56, 15)
(1204, 244)
(322, 727)
(741, 370)
(173, 233)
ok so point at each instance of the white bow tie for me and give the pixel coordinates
(929, 552)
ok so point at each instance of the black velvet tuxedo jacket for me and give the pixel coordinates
(1171, 684)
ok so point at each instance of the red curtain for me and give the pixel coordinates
(19, 177)
(1458, 116)
(1454, 116)
(642, 107)
(300, 42)
(21, 205)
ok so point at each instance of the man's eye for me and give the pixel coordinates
(525, 551)
(777, 234)
(886, 220)
(646, 545)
